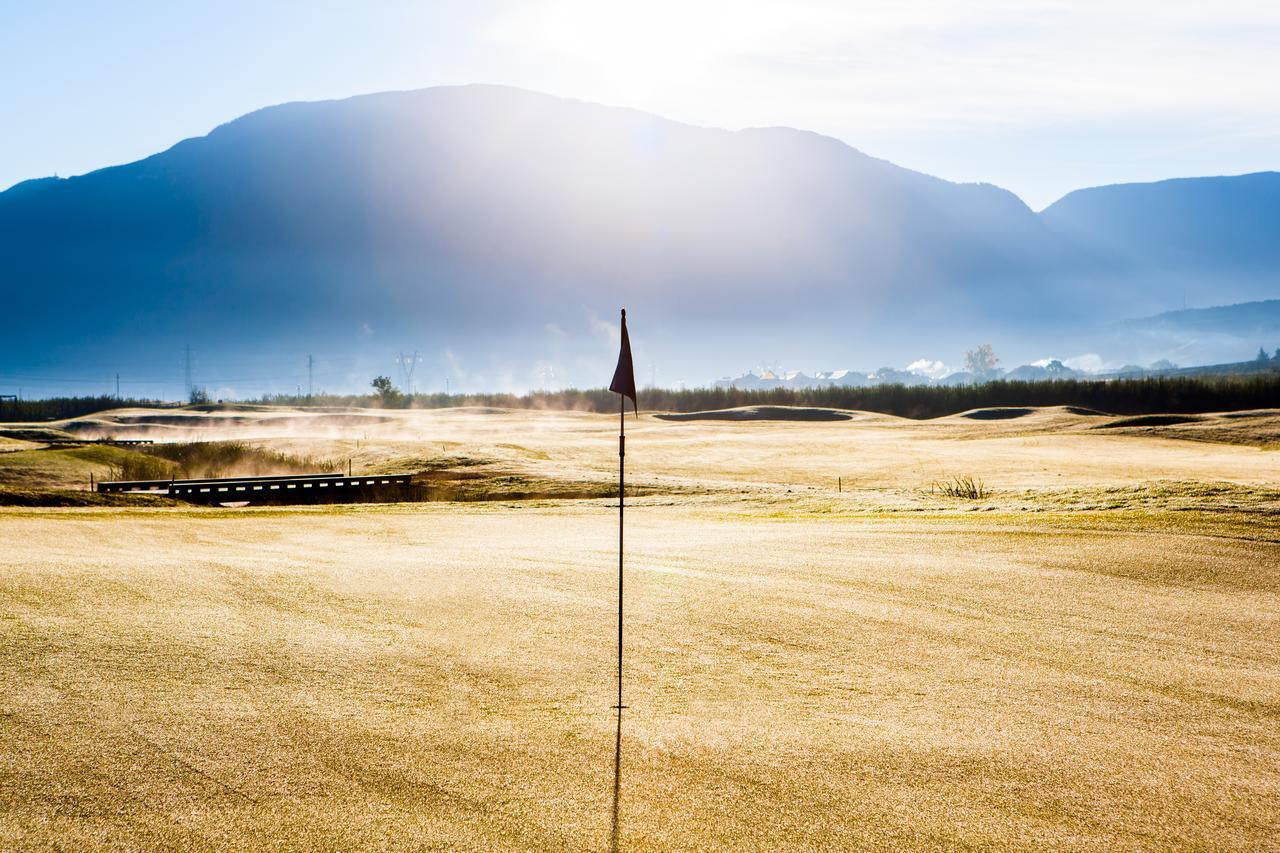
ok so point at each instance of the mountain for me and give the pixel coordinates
(500, 229)
(1186, 225)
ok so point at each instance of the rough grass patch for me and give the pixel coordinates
(199, 459)
(960, 486)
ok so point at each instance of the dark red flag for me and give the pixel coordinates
(624, 378)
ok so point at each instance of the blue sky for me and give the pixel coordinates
(1040, 98)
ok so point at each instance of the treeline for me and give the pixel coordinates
(58, 408)
(1118, 396)
(1176, 394)
(1179, 394)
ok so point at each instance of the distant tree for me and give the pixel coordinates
(198, 396)
(387, 393)
(981, 362)
(1276, 357)
(1164, 364)
(1262, 358)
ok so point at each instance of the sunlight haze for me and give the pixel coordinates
(1040, 99)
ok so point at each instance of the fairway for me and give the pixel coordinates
(1086, 657)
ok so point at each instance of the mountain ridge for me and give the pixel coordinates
(478, 216)
(569, 99)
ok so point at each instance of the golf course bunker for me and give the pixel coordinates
(1151, 421)
(761, 413)
(1003, 413)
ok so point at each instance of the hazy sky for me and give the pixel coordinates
(1040, 98)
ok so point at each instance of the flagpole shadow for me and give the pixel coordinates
(615, 827)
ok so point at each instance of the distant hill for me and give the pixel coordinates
(1199, 336)
(1244, 320)
(498, 228)
(1216, 224)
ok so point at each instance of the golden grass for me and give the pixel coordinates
(805, 669)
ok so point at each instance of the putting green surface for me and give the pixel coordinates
(441, 675)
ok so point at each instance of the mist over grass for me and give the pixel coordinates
(1139, 396)
(197, 459)
(1190, 394)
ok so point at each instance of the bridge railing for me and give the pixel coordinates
(250, 488)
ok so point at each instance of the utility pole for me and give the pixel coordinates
(187, 370)
(310, 386)
(117, 387)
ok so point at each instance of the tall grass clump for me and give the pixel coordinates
(201, 459)
(234, 458)
(140, 466)
(960, 486)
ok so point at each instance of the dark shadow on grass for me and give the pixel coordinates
(1150, 421)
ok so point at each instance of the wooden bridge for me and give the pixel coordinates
(304, 488)
(61, 443)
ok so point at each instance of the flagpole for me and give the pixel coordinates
(624, 385)
(622, 453)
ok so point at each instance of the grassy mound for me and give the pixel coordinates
(15, 496)
(761, 413)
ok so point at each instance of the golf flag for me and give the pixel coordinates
(624, 383)
(624, 377)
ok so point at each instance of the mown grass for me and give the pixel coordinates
(61, 468)
(439, 677)
(20, 497)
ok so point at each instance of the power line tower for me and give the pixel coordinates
(186, 369)
(408, 364)
(548, 376)
(311, 363)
